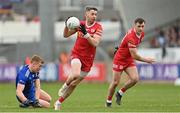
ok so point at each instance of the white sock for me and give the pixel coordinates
(109, 101)
(64, 85)
(57, 102)
(63, 89)
(120, 92)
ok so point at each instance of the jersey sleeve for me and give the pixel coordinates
(99, 31)
(131, 43)
(22, 78)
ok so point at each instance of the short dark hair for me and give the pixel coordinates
(88, 8)
(139, 20)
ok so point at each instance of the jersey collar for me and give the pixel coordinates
(90, 25)
(138, 36)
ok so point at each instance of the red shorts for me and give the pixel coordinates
(122, 65)
(86, 63)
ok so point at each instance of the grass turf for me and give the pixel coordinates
(91, 97)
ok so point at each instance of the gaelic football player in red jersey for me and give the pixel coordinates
(88, 37)
(124, 61)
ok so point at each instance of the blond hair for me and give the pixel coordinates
(37, 58)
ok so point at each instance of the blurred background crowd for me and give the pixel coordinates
(167, 36)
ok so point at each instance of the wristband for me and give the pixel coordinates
(87, 35)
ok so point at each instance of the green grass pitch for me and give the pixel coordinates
(90, 97)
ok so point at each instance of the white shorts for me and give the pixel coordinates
(77, 61)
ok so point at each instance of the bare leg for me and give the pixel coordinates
(45, 96)
(76, 69)
(72, 86)
(65, 86)
(44, 99)
(112, 87)
(133, 77)
(114, 83)
(71, 82)
(44, 103)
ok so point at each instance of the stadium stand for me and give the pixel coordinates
(168, 36)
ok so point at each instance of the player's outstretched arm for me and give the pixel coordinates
(136, 56)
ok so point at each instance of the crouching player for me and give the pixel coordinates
(28, 91)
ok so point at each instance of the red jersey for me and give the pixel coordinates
(82, 47)
(123, 53)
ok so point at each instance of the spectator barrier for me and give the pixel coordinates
(54, 72)
(97, 72)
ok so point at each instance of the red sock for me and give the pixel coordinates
(61, 99)
(109, 98)
(123, 90)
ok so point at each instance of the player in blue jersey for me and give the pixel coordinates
(28, 91)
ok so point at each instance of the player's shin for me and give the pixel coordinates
(110, 95)
(63, 89)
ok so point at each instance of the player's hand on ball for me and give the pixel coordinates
(36, 104)
(72, 23)
(66, 20)
(26, 103)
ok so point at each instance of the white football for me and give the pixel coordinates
(73, 23)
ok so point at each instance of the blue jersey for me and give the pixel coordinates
(27, 78)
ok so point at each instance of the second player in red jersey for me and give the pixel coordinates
(123, 58)
(124, 61)
(88, 37)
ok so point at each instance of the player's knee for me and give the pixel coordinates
(76, 74)
(135, 80)
(115, 82)
(49, 98)
(47, 105)
(74, 78)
